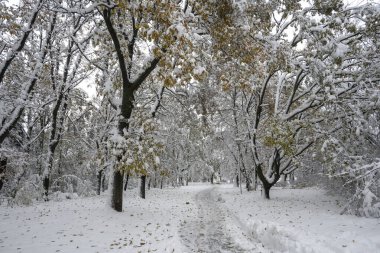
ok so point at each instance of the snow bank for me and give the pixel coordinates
(302, 221)
(280, 239)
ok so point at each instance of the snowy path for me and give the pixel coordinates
(215, 229)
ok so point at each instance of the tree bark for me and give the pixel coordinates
(3, 166)
(100, 174)
(255, 186)
(155, 182)
(117, 195)
(248, 184)
(46, 184)
(291, 178)
(266, 190)
(104, 183)
(142, 186)
(126, 182)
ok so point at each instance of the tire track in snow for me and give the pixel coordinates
(215, 229)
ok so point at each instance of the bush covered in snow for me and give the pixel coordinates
(365, 183)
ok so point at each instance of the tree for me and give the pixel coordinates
(162, 25)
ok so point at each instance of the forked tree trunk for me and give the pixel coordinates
(117, 194)
(267, 185)
(142, 186)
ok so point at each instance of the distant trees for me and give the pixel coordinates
(302, 68)
(66, 72)
(16, 52)
(44, 57)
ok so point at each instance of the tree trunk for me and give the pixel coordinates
(100, 175)
(266, 190)
(104, 183)
(291, 178)
(285, 177)
(117, 191)
(155, 182)
(3, 166)
(162, 183)
(237, 180)
(142, 187)
(126, 182)
(275, 167)
(248, 184)
(47, 170)
(46, 184)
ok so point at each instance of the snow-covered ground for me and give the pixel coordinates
(90, 225)
(197, 218)
(302, 220)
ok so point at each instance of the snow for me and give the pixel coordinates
(195, 218)
(215, 229)
(302, 220)
(199, 70)
(89, 225)
(341, 50)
